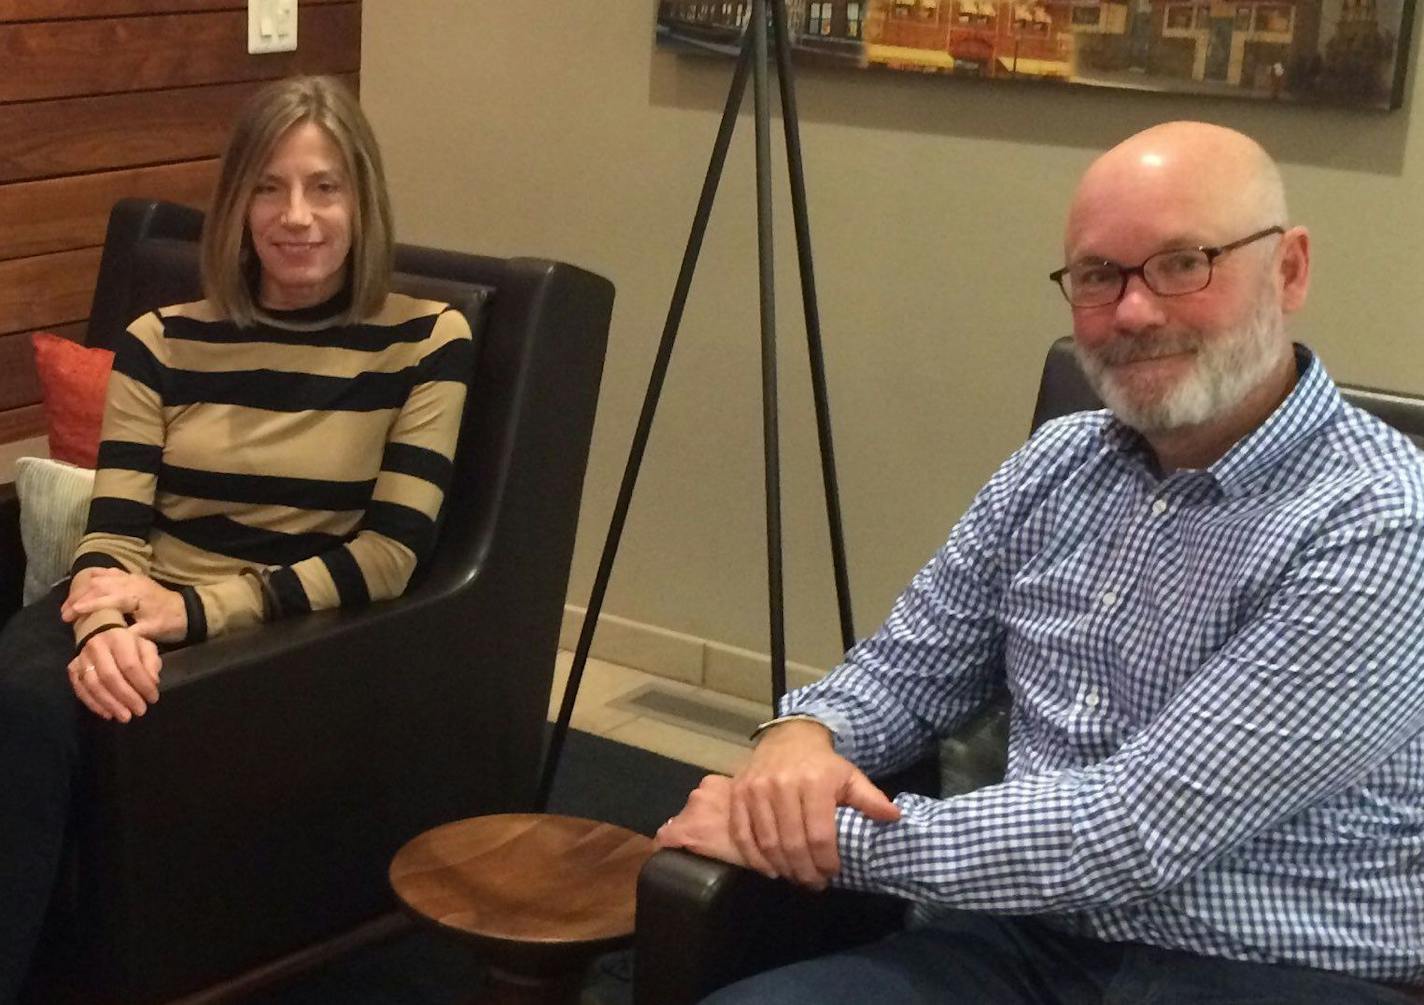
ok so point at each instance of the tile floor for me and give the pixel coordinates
(597, 711)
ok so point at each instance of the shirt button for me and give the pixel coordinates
(1159, 507)
(1109, 598)
(1091, 699)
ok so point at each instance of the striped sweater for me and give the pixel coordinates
(286, 467)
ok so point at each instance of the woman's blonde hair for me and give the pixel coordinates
(229, 263)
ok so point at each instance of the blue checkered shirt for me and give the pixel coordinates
(1217, 734)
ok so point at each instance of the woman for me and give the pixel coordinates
(281, 446)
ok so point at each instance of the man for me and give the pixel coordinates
(1208, 605)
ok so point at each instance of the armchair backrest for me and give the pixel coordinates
(541, 328)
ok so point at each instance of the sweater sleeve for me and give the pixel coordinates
(130, 447)
(398, 528)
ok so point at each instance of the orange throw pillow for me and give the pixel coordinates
(73, 379)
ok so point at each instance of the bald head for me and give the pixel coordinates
(1220, 181)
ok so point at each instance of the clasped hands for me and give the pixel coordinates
(115, 675)
(777, 814)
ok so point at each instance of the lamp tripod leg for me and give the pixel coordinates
(767, 281)
(693, 250)
(795, 167)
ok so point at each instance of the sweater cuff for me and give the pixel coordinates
(96, 560)
(197, 616)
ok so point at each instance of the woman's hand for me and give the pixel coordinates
(115, 675)
(157, 612)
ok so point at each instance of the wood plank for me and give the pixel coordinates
(21, 423)
(40, 217)
(47, 290)
(45, 59)
(44, 139)
(56, 10)
(19, 382)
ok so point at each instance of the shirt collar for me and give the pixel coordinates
(1313, 401)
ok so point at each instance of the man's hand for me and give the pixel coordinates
(702, 826)
(783, 803)
(158, 613)
(116, 674)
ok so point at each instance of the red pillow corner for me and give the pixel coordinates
(73, 381)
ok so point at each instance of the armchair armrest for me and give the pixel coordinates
(300, 756)
(703, 924)
(707, 924)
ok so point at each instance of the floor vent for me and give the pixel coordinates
(701, 715)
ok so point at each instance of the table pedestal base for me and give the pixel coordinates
(506, 988)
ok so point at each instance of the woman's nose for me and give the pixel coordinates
(297, 212)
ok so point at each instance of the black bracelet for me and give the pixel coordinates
(79, 646)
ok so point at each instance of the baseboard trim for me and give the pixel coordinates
(717, 666)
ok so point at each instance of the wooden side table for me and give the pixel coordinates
(539, 896)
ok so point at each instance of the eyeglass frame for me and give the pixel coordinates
(1126, 272)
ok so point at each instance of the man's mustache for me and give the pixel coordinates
(1137, 350)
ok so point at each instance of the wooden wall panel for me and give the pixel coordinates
(101, 99)
(41, 139)
(21, 423)
(47, 289)
(49, 59)
(40, 217)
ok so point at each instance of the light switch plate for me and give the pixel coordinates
(271, 25)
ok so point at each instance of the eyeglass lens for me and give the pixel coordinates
(1167, 273)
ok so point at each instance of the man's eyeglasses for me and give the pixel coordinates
(1171, 273)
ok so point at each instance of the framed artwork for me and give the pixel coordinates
(1339, 52)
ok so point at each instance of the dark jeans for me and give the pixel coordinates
(39, 750)
(978, 959)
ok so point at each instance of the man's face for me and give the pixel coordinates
(1166, 363)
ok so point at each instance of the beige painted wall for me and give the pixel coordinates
(937, 206)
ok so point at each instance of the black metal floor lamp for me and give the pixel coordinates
(752, 59)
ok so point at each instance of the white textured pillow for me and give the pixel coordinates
(54, 505)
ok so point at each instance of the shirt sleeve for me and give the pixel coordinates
(398, 528)
(935, 660)
(1321, 685)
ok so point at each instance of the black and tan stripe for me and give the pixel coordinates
(317, 455)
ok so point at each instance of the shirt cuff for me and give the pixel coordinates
(840, 726)
(855, 833)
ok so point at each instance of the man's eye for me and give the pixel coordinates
(1096, 275)
(1179, 263)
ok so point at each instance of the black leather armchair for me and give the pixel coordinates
(703, 924)
(256, 811)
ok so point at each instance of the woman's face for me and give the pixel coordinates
(300, 220)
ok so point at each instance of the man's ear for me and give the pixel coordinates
(1293, 268)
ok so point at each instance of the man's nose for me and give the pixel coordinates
(1138, 307)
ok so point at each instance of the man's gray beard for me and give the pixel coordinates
(1227, 368)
